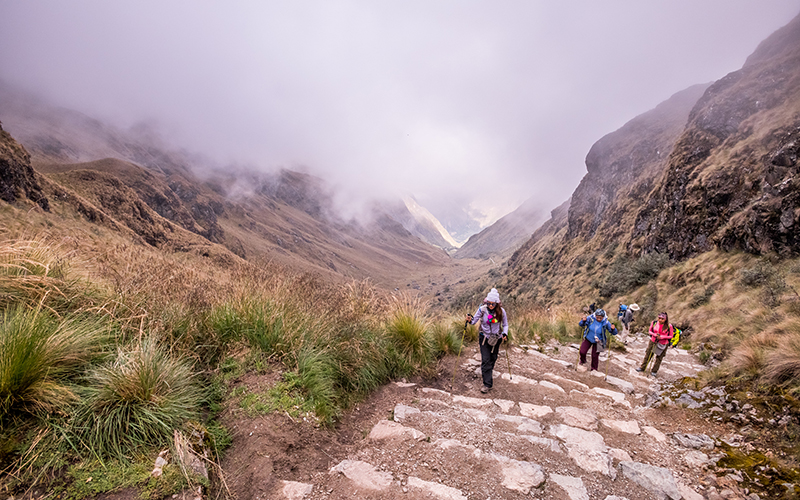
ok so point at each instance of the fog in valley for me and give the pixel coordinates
(465, 105)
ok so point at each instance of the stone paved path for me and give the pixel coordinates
(565, 434)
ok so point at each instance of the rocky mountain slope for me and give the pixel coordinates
(17, 178)
(732, 179)
(134, 182)
(714, 166)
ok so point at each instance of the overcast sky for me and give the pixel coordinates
(486, 103)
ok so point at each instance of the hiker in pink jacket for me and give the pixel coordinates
(661, 331)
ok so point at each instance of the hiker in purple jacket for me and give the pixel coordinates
(493, 331)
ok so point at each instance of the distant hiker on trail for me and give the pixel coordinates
(661, 331)
(594, 335)
(493, 331)
(627, 319)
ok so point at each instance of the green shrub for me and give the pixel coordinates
(137, 400)
(626, 274)
(757, 275)
(702, 298)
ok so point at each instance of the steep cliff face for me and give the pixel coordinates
(715, 166)
(17, 178)
(621, 168)
(732, 180)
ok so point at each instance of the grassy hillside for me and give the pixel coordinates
(109, 345)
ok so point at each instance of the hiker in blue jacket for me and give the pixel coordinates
(493, 331)
(594, 335)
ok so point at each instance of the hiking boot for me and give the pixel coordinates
(640, 370)
(485, 389)
(653, 374)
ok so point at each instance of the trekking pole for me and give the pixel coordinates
(510, 376)
(461, 346)
(608, 358)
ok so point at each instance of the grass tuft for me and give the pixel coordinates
(137, 400)
(38, 355)
(783, 363)
(407, 330)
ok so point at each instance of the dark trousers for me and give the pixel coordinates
(585, 345)
(648, 355)
(488, 358)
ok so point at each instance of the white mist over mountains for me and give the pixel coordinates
(470, 107)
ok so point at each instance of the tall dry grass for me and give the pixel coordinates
(39, 273)
(749, 358)
(783, 363)
(540, 325)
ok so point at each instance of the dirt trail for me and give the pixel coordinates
(544, 431)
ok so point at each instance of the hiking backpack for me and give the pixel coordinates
(676, 336)
(621, 312)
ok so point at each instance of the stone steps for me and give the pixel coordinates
(573, 436)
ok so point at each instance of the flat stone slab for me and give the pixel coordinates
(586, 448)
(619, 455)
(404, 384)
(578, 417)
(552, 444)
(477, 415)
(431, 390)
(557, 378)
(436, 490)
(520, 476)
(655, 433)
(550, 385)
(402, 412)
(534, 411)
(621, 384)
(518, 379)
(588, 439)
(695, 459)
(626, 426)
(618, 397)
(539, 354)
(292, 490)
(524, 424)
(363, 474)
(656, 479)
(478, 402)
(573, 486)
(386, 429)
(504, 404)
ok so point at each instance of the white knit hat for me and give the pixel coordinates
(493, 296)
